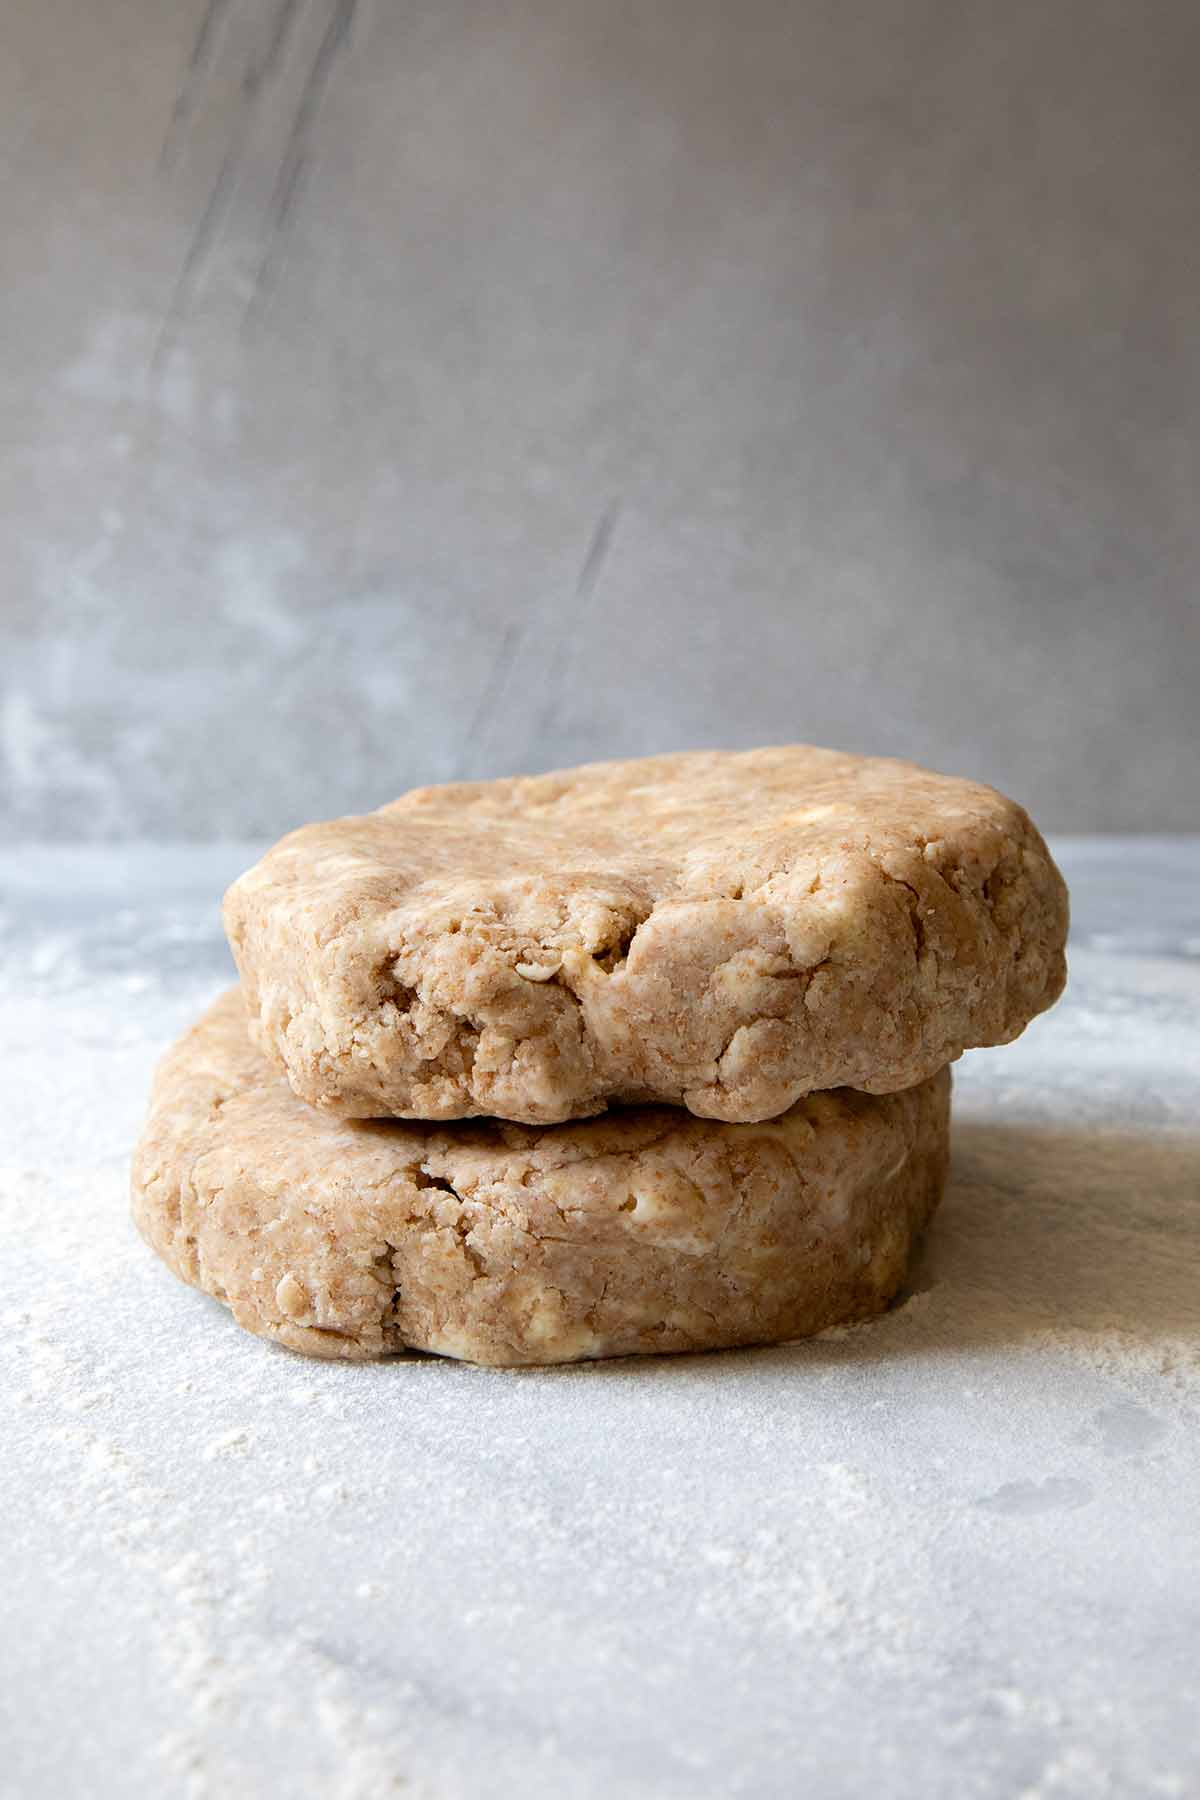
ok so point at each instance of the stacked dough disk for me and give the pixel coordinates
(397, 1132)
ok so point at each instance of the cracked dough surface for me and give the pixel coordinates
(722, 931)
(642, 1231)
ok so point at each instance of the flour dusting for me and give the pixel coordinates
(949, 1554)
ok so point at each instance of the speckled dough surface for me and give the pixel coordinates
(721, 931)
(642, 1231)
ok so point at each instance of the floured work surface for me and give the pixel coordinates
(952, 1553)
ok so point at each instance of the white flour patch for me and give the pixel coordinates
(948, 1554)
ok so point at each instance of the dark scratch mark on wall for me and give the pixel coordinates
(586, 583)
(521, 647)
(259, 74)
(297, 149)
(597, 550)
(256, 80)
(495, 682)
(200, 61)
(198, 249)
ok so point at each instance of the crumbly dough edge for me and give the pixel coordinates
(954, 946)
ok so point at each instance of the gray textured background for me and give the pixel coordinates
(392, 392)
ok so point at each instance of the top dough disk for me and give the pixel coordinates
(723, 931)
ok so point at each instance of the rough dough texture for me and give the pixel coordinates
(643, 1231)
(722, 931)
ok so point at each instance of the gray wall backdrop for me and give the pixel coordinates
(393, 392)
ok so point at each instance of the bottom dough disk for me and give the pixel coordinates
(645, 1230)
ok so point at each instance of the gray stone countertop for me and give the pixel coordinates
(953, 1553)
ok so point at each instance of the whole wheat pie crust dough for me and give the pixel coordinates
(721, 931)
(642, 1231)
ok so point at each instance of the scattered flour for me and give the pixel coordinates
(950, 1554)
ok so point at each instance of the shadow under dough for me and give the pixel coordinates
(1082, 1233)
(1086, 1238)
